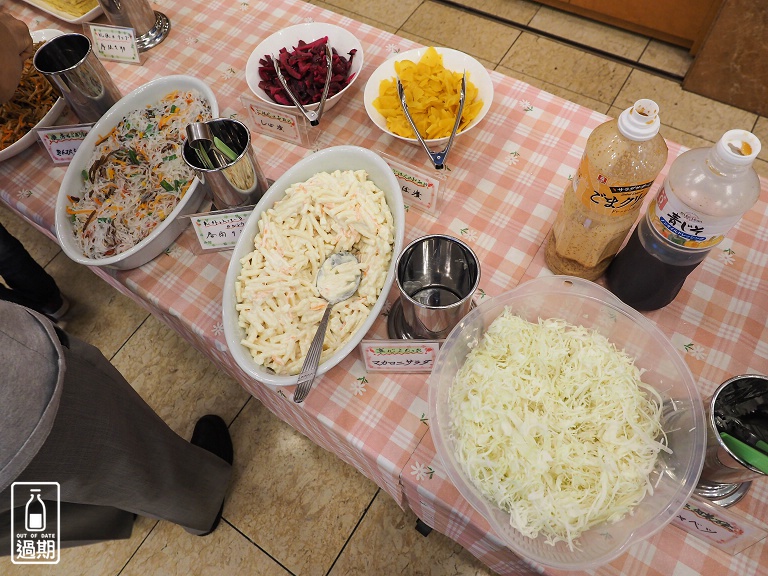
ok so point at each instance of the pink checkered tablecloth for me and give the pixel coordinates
(500, 197)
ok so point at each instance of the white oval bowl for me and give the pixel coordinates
(50, 117)
(170, 228)
(452, 60)
(327, 160)
(339, 38)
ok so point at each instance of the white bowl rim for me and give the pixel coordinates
(371, 91)
(252, 64)
(116, 111)
(241, 355)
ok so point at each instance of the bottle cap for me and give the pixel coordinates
(738, 147)
(641, 121)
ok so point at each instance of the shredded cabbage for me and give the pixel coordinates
(552, 423)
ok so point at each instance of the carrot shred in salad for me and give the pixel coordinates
(136, 175)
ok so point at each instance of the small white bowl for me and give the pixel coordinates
(340, 39)
(170, 228)
(50, 117)
(327, 160)
(452, 60)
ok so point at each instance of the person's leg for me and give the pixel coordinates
(107, 447)
(80, 524)
(27, 283)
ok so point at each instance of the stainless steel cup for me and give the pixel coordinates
(437, 276)
(150, 27)
(742, 403)
(70, 65)
(234, 182)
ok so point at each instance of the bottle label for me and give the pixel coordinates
(683, 226)
(606, 196)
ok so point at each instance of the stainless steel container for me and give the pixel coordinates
(234, 180)
(150, 27)
(743, 399)
(437, 276)
(69, 64)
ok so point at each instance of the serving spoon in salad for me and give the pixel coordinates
(337, 280)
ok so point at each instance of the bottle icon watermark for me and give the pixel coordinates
(34, 512)
(35, 518)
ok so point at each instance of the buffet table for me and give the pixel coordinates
(501, 194)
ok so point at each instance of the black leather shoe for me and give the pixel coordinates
(211, 434)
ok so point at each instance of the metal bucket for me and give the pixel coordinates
(437, 276)
(69, 64)
(741, 401)
(220, 153)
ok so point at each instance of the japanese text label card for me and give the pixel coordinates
(289, 126)
(61, 142)
(399, 355)
(113, 43)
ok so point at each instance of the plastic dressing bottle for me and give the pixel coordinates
(705, 194)
(621, 160)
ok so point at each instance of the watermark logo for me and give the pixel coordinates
(35, 522)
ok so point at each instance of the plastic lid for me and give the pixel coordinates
(641, 122)
(738, 147)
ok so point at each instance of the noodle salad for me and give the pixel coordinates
(136, 175)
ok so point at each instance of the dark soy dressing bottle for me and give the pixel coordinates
(705, 194)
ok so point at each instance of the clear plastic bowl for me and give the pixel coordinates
(675, 476)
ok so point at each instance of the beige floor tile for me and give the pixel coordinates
(567, 67)
(39, 246)
(585, 101)
(460, 30)
(180, 383)
(683, 110)
(589, 33)
(518, 11)
(296, 501)
(170, 551)
(105, 559)
(401, 549)
(427, 42)
(99, 314)
(378, 11)
(355, 16)
(761, 131)
(666, 57)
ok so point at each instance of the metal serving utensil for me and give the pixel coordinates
(312, 115)
(312, 360)
(200, 138)
(437, 158)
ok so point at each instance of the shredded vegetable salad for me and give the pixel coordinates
(553, 424)
(136, 175)
(34, 97)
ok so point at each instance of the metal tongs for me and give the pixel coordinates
(212, 152)
(438, 158)
(312, 115)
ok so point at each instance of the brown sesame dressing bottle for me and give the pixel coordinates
(621, 160)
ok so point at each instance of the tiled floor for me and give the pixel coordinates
(294, 508)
